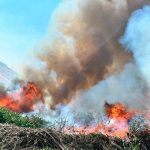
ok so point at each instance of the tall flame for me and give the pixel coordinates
(23, 100)
(117, 124)
(117, 111)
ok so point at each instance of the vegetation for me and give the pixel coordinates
(35, 138)
(19, 138)
(10, 117)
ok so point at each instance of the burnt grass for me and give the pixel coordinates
(19, 138)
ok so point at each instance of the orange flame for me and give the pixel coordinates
(9, 103)
(118, 111)
(117, 124)
(29, 95)
(119, 117)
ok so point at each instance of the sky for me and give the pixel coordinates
(23, 23)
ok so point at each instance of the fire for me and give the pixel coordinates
(119, 117)
(30, 95)
(118, 111)
(23, 100)
(9, 103)
(117, 124)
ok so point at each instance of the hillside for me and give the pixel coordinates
(6, 74)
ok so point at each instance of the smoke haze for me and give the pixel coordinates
(81, 62)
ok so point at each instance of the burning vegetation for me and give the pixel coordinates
(116, 124)
(13, 137)
(82, 66)
(23, 100)
(117, 115)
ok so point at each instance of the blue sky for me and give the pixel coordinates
(23, 23)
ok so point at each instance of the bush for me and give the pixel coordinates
(10, 117)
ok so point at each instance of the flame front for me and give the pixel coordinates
(117, 124)
(23, 100)
(117, 111)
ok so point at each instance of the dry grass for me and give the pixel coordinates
(19, 138)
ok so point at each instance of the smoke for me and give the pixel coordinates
(87, 107)
(81, 63)
(136, 40)
(2, 90)
(128, 87)
(83, 47)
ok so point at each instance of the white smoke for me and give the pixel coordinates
(137, 40)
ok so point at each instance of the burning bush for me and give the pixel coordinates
(22, 99)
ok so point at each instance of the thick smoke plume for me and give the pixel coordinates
(136, 40)
(83, 49)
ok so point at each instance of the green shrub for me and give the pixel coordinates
(10, 117)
